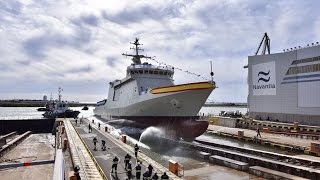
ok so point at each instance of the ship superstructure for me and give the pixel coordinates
(61, 109)
(147, 96)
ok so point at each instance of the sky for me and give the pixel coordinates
(77, 44)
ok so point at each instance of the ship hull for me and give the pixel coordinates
(176, 111)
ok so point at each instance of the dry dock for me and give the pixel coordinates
(215, 161)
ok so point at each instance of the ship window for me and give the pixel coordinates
(161, 73)
(131, 72)
(146, 72)
(156, 72)
(136, 72)
(150, 72)
(140, 71)
(165, 73)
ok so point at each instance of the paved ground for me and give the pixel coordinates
(34, 147)
(104, 158)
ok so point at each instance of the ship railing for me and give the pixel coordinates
(144, 66)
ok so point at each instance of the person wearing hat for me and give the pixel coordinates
(138, 170)
(129, 170)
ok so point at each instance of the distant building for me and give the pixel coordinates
(45, 98)
(285, 86)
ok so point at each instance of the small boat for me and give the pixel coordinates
(61, 110)
(85, 108)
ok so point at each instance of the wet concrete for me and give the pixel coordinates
(194, 167)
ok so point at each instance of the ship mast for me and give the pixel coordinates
(136, 58)
(59, 93)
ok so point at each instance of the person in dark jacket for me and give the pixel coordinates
(103, 145)
(164, 176)
(145, 175)
(155, 176)
(150, 168)
(138, 170)
(136, 149)
(129, 170)
(127, 159)
(114, 164)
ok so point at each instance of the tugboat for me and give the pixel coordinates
(147, 97)
(61, 110)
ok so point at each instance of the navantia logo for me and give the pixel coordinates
(264, 76)
(264, 79)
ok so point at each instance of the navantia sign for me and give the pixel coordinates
(264, 79)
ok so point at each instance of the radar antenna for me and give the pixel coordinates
(136, 58)
(266, 45)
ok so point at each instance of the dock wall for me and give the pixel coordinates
(23, 125)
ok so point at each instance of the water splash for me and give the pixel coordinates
(151, 133)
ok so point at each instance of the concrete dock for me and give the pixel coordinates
(36, 147)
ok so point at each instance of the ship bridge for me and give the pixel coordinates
(135, 70)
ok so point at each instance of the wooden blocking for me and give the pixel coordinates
(315, 147)
(65, 144)
(72, 176)
(62, 129)
(265, 130)
(124, 138)
(173, 167)
(240, 134)
(296, 125)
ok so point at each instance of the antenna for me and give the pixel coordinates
(59, 91)
(136, 57)
(211, 73)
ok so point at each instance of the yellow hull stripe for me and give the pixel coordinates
(183, 87)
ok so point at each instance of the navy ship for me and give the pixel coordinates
(147, 97)
(61, 110)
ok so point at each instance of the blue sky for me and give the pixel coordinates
(77, 44)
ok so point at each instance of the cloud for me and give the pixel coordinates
(78, 44)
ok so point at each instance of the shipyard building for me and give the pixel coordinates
(285, 86)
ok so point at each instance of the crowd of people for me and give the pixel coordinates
(149, 173)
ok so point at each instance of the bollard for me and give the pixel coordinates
(65, 144)
(62, 129)
(124, 138)
(92, 121)
(265, 130)
(106, 129)
(315, 147)
(240, 134)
